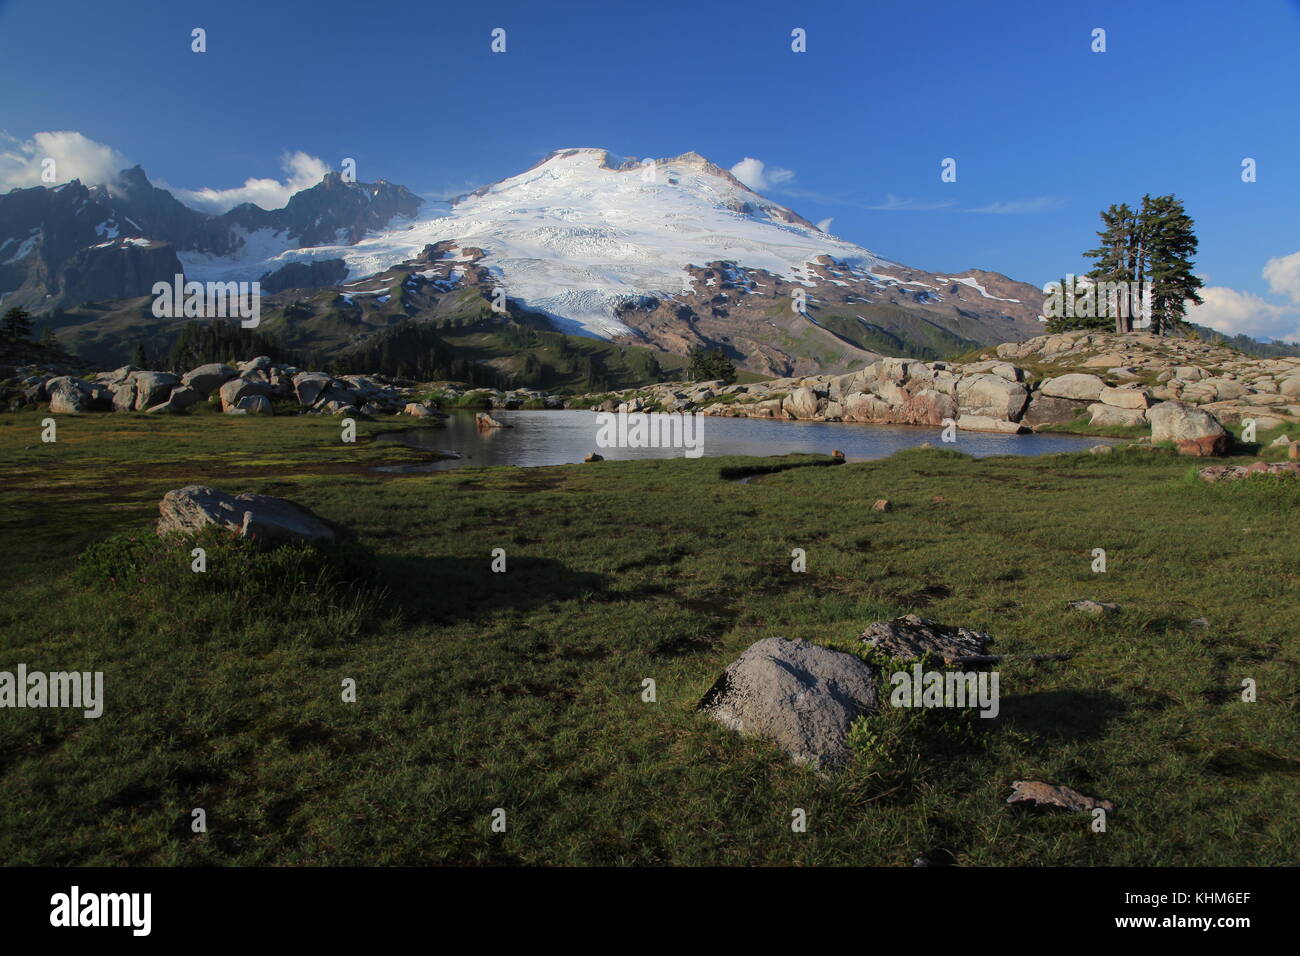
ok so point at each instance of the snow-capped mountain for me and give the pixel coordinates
(668, 254)
(583, 234)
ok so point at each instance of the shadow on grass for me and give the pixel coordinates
(1059, 716)
(445, 590)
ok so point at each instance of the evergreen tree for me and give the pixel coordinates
(17, 324)
(1097, 321)
(141, 358)
(1115, 258)
(708, 364)
(50, 341)
(1170, 245)
(1156, 245)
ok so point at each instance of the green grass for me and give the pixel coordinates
(523, 690)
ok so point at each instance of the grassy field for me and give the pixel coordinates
(522, 690)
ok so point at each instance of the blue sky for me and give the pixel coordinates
(1045, 132)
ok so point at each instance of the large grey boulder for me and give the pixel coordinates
(263, 518)
(309, 385)
(991, 396)
(206, 379)
(238, 388)
(123, 395)
(799, 695)
(983, 423)
(1049, 410)
(255, 405)
(1192, 430)
(1077, 385)
(181, 398)
(1106, 415)
(801, 403)
(1126, 397)
(70, 395)
(152, 388)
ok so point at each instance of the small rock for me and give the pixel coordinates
(594, 457)
(911, 637)
(484, 421)
(1099, 608)
(882, 504)
(1100, 450)
(1198, 622)
(837, 455)
(1039, 794)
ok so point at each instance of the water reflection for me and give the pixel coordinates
(565, 437)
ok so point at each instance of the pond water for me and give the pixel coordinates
(565, 437)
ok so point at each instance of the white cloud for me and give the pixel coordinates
(75, 157)
(1283, 275)
(301, 172)
(894, 203)
(758, 176)
(1017, 207)
(1233, 312)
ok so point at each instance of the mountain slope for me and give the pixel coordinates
(683, 254)
(71, 243)
(668, 254)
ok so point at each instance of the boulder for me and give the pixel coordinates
(912, 637)
(927, 407)
(418, 410)
(123, 395)
(309, 386)
(1125, 397)
(991, 396)
(255, 405)
(799, 695)
(152, 388)
(70, 395)
(1046, 410)
(1077, 385)
(1107, 415)
(881, 504)
(592, 456)
(801, 403)
(181, 398)
(982, 423)
(1192, 430)
(206, 379)
(238, 388)
(484, 421)
(262, 518)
